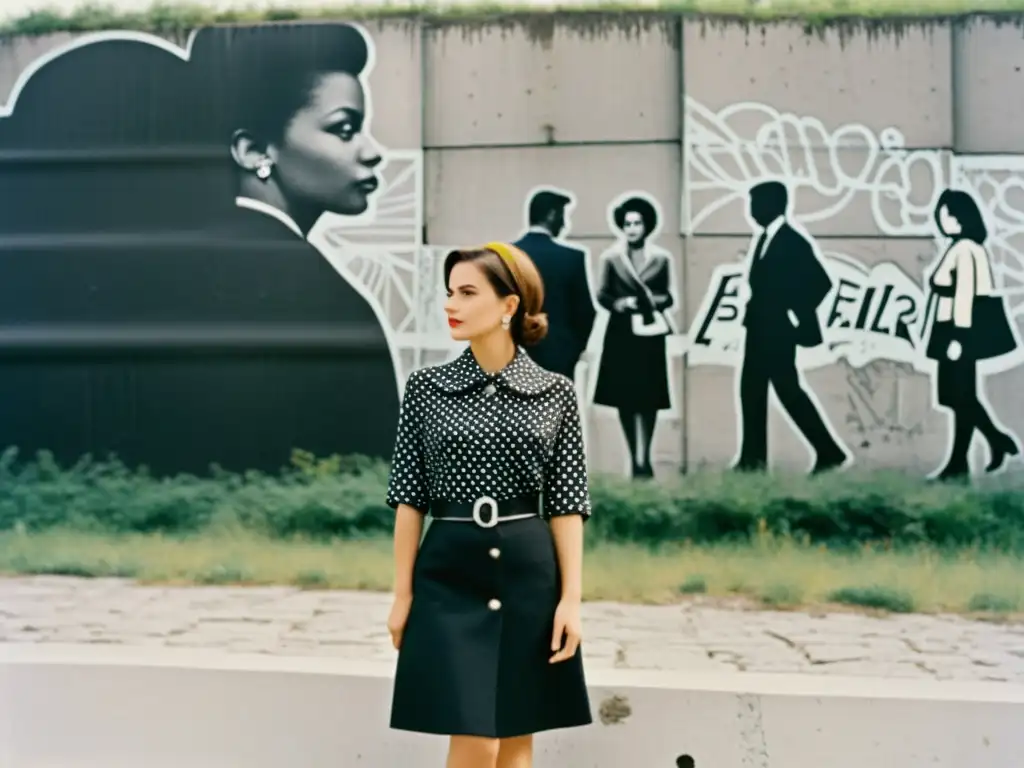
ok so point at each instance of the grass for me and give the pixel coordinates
(172, 17)
(772, 572)
(880, 541)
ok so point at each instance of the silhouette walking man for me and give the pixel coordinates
(787, 284)
(567, 300)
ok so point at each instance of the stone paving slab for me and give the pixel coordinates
(698, 635)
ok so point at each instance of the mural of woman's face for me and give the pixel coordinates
(325, 160)
(948, 223)
(633, 228)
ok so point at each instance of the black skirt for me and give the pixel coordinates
(633, 370)
(474, 654)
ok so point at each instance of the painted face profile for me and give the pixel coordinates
(300, 114)
(325, 159)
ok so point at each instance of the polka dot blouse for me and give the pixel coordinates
(464, 433)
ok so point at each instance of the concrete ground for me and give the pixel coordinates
(700, 635)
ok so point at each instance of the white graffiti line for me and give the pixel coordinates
(997, 183)
(1009, 273)
(399, 204)
(801, 151)
(893, 182)
(769, 151)
(378, 271)
(394, 216)
(380, 251)
(410, 174)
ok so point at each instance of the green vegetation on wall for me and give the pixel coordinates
(175, 18)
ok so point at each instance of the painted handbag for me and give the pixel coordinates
(657, 327)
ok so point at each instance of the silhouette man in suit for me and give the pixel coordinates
(567, 300)
(787, 284)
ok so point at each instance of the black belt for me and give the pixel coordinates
(486, 511)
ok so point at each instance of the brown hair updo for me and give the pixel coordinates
(510, 272)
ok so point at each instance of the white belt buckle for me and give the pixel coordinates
(478, 504)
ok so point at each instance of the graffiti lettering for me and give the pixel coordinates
(870, 314)
(722, 307)
(883, 302)
(862, 298)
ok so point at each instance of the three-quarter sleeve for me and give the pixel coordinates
(566, 490)
(407, 482)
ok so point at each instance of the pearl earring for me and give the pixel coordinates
(506, 321)
(263, 169)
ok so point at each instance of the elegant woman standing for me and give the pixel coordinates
(636, 289)
(486, 613)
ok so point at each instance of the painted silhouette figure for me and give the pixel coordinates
(563, 268)
(787, 283)
(636, 289)
(967, 323)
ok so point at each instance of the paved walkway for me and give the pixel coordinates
(692, 636)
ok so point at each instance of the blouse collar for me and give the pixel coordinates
(257, 205)
(521, 375)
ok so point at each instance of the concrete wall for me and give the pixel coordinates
(865, 131)
(73, 708)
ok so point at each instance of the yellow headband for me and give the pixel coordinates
(504, 251)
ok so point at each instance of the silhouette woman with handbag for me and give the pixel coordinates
(636, 289)
(968, 322)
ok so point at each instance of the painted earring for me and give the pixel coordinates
(263, 169)
(506, 321)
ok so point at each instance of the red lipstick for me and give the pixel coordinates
(453, 323)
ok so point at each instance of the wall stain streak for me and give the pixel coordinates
(751, 728)
(540, 28)
(874, 400)
(614, 710)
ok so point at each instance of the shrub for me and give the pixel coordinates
(695, 585)
(986, 602)
(343, 497)
(781, 595)
(882, 598)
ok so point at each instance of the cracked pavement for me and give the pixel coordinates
(699, 635)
